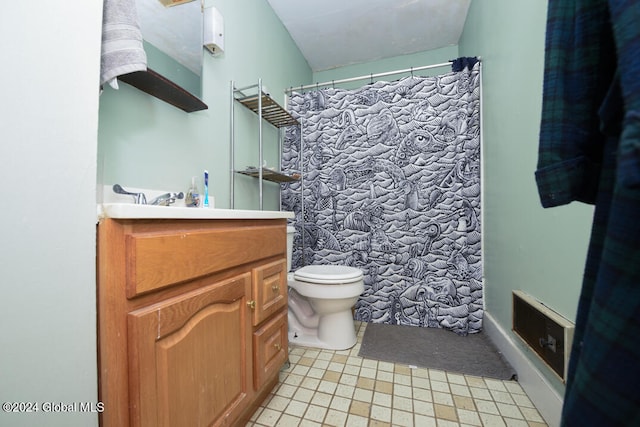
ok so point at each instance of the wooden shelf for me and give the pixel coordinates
(162, 88)
(271, 110)
(269, 175)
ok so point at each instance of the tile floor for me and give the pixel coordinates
(338, 388)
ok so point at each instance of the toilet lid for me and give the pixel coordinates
(328, 274)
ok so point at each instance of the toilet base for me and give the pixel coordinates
(328, 325)
(310, 340)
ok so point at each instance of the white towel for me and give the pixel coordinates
(122, 50)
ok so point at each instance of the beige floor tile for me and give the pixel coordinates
(268, 417)
(339, 358)
(437, 375)
(368, 372)
(469, 417)
(463, 402)
(475, 381)
(424, 408)
(366, 383)
(376, 423)
(335, 418)
(492, 420)
(509, 411)
(327, 387)
(360, 408)
(381, 413)
(345, 390)
(456, 379)
(340, 403)
(383, 399)
(303, 395)
(348, 379)
(385, 366)
(442, 398)
(340, 389)
(384, 376)
(315, 413)
(296, 408)
(531, 414)
(460, 390)
(424, 421)
(288, 421)
(446, 412)
(278, 403)
(363, 395)
(403, 391)
(321, 399)
(510, 422)
(402, 370)
(441, 386)
(486, 406)
(401, 418)
(310, 383)
(357, 421)
(384, 387)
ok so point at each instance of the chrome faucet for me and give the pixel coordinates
(166, 199)
(140, 199)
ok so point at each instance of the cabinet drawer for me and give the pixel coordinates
(269, 289)
(270, 343)
(156, 260)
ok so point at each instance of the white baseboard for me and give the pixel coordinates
(542, 394)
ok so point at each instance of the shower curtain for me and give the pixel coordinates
(391, 185)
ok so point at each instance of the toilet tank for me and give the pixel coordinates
(291, 231)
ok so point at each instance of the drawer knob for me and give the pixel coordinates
(275, 288)
(252, 304)
(277, 346)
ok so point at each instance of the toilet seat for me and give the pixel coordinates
(328, 274)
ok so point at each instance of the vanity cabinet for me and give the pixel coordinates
(192, 319)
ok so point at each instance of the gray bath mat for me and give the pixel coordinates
(435, 349)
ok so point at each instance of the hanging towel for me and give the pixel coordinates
(122, 50)
(459, 64)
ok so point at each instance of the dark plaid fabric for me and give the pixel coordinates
(601, 165)
(579, 66)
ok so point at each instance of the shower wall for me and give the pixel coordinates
(391, 185)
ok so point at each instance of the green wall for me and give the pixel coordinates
(540, 251)
(146, 143)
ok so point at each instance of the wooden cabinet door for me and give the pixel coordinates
(189, 357)
(269, 290)
(270, 349)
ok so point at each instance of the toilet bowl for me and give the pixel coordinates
(320, 302)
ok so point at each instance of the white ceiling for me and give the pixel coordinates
(335, 33)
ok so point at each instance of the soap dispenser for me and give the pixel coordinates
(192, 199)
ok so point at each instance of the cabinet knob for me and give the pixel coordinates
(277, 346)
(275, 288)
(252, 304)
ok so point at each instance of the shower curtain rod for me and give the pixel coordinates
(368, 76)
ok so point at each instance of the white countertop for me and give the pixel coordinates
(133, 211)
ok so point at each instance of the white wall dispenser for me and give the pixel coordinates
(213, 37)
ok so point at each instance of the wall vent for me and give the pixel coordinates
(546, 332)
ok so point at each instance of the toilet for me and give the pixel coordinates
(320, 302)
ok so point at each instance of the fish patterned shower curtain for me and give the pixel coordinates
(391, 185)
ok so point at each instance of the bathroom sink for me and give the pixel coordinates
(134, 211)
